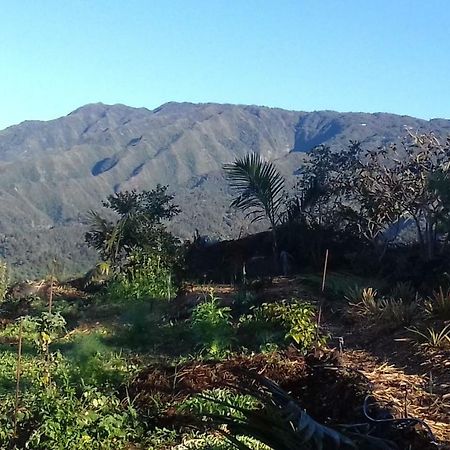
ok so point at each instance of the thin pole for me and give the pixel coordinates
(18, 371)
(50, 298)
(319, 316)
(325, 271)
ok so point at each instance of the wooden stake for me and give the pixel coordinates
(50, 297)
(18, 371)
(325, 270)
(319, 316)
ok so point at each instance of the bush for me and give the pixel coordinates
(404, 291)
(145, 276)
(284, 321)
(397, 313)
(388, 313)
(212, 326)
(433, 338)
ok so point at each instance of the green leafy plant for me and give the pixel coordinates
(298, 319)
(137, 251)
(212, 326)
(217, 401)
(47, 327)
(396, 313)
(146, 276)
(367, 304)
(353, 294)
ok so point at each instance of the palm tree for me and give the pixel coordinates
(259, 187)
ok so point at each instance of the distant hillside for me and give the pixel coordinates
(53, 172)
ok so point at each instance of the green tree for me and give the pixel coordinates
(372, 192)
(138, 224)
(135, 242)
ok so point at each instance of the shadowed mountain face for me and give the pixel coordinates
(53, 172)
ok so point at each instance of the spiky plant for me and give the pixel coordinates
(368, 305)
(433, 338)
(439, 304)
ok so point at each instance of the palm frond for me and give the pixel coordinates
(259, 186)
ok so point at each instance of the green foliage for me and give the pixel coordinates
(244, 299)
(57, 418)
(137, 249)
(387, 312)
(47, 327)
(96, 365)
(212, 326)
(298, 320)
(217, 401)
(404, 291)
(145, 276)
(438, 305)
(397, 313)
(365, 305)
(340, 286)
(259, 187)
(139, 224)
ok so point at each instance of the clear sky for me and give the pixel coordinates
(346, 55)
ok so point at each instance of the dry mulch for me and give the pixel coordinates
(331, 394)
(406, 394)
(175, 383)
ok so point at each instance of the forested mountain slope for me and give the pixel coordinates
(53, 172)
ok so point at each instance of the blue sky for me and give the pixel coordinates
(346, 55)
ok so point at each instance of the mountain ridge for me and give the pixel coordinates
(53, 172)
